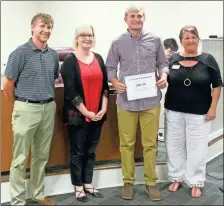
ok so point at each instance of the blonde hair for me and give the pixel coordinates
(83, 30)
(134, 8)
(190, 28)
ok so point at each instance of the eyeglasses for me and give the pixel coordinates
(84, 36)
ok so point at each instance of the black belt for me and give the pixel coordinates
(35, 102)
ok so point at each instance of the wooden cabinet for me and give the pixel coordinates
(108, 148)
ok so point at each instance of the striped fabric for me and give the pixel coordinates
(136, 57)
(34, 71)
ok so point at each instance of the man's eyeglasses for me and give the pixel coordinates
(84, 36)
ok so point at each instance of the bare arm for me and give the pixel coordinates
(215, 96)
(162, 65)
(81, 107)
(216, 81)
(114, 81)
(120, 88)
(163, 75)
(103, 110)
(211, 114)
(104, 103)
(8, 87)
(162, 83)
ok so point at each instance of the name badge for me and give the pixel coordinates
(176, 67)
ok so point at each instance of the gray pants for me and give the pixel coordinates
(186, 137)
(33, 126)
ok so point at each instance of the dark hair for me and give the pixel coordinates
(170, 43)
(189, 28)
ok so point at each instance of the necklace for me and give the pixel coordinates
(187, 81)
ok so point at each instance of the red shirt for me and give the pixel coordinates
(92, 81)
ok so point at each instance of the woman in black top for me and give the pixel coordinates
(85, 105)
(190, 106)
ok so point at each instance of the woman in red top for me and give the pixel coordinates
(85, 105)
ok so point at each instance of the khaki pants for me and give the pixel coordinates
(33, 126)
(149, 124)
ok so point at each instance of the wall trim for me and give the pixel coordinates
(61, 183)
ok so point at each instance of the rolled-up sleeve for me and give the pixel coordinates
(112, 62)
(162, 62)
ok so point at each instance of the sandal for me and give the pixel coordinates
(83, 198)
(95, 193)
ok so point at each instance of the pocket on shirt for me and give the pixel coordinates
(148, 52)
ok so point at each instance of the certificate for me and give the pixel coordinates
(141, 86)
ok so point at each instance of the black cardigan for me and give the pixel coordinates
(73, 88)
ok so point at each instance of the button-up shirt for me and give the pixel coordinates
(136, 56)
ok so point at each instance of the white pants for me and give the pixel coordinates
(186, 137)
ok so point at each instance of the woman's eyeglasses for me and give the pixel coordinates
(84, 36)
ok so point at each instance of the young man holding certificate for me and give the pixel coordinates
(142, 73)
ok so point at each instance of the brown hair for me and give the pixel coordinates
(189, 28)
(45, 18)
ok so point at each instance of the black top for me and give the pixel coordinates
(73, 88)
(196, 98)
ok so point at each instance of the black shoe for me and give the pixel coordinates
(94, 193)
(82, 198)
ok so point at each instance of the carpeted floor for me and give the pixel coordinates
(211, 195)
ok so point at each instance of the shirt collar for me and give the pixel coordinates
(140, 34)
(34, 47)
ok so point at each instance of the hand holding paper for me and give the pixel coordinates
(141, 86)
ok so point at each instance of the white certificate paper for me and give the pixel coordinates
(141, 86)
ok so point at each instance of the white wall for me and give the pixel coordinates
(15, 25)
(165, 18)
